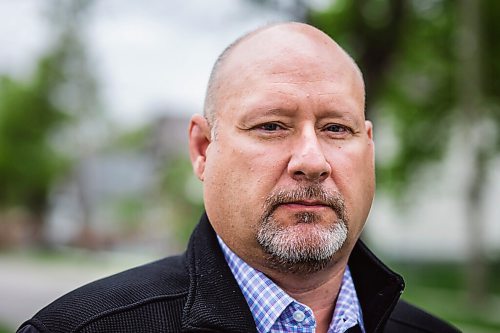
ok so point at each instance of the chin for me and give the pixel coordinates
(305, 247)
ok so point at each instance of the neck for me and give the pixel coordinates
(318, 290)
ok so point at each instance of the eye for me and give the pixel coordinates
(335, 128)
(270, 127)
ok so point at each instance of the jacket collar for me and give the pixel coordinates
(377, 286)
(215, 302)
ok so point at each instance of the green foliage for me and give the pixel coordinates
(136, 139)
(407, 51)
(33, 113)
(439, 288)
(183, 196)
(28, 164)
(5, 329)
(490, 69)
(419, 97)
(130, 210)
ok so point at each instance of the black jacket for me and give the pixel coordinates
(196, 292)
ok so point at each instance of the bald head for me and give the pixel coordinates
(278, 44)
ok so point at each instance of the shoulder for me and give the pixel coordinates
(410, 319)
(162, 282)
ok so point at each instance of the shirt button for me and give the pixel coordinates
(299, 316)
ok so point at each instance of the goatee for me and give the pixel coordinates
(289, 248)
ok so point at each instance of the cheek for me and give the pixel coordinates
(238, 179)
(352, 163)
(242, 173)
(257, 162)
(353, 174)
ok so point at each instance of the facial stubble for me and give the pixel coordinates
(292, 249)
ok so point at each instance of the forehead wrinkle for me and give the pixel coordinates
(285, 112)
(272, 107)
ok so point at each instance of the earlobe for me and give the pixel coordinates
(199, 139)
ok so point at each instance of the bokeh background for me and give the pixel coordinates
(95, 97)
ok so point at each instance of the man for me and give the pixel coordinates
(286, 158)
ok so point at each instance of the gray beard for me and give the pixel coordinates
(292, 250)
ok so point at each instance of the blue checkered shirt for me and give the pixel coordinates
(275, 311)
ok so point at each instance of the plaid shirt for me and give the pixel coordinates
(275, 311)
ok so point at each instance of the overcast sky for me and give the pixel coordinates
(150, 56)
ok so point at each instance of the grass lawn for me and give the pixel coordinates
(439, 288)
(5, 329)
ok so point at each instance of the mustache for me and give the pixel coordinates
(313, 192)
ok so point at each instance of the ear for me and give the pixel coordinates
(369, 134)
(369, 129)
(199, 139)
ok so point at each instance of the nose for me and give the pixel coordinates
(307, 161)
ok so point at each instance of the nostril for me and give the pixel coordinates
(310, 176)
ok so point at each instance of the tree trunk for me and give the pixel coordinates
(86, 236)
(472, 114)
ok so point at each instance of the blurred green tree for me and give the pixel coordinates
(33, 115)
(28, 163)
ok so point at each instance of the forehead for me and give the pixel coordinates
(299, 56)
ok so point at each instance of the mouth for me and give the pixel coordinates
(305, 205)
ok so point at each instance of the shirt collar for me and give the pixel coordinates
(267, 301)
(347, 311)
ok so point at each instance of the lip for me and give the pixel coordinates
(305, 205)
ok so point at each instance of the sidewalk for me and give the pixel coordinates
(27, 284)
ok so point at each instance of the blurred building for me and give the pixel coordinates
(110, 200)
(430, 224)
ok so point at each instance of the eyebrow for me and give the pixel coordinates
(261, 112)
(264, 111)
